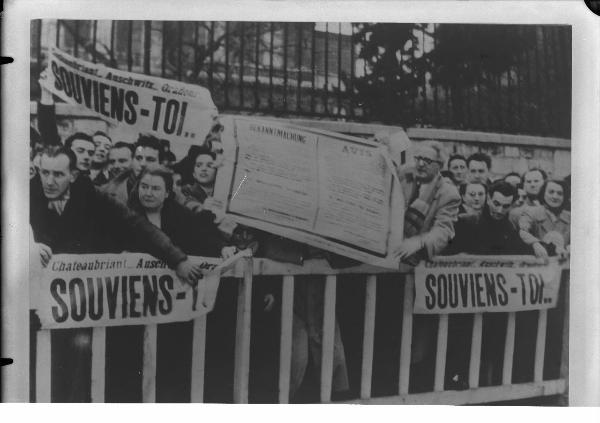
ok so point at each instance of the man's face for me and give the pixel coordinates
(474, 196)
(554, 195)
(427, 165)
(144, 157)
(204, 170)
(119, 159)
(478, 171)
(532, 183)
(499, 205)
(102, 145)
(152, 192)
(84, 150)
(522, 197)
(458, 169)
(55, 175)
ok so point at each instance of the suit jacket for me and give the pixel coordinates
(438, 226)
(94, 223)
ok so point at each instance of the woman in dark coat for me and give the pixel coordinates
(196, 234)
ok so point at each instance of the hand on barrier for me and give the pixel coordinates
(540, 251)
(45, 253)
(188, 272)
(409, 247)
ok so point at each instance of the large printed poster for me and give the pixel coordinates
(328, 190)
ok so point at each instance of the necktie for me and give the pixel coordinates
(415, 192)
(58, 205)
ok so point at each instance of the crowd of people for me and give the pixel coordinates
(93, 194)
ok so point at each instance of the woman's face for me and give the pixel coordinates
(554, 195)
(474, 196)
(152, 192)
(204, 169)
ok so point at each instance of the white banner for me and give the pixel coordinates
(170, 109)
(325, 189)
(485, 284)
(89, 290)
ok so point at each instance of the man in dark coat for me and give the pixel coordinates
(68, 215)
(490, 233)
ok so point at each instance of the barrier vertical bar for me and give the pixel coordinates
(540, 347)
(328, 338)
(440, 355)
(43, 368)
(285, 349)
(475, 362)
(509, 350)
(368, 337)
(198, 359)
(98, 364)
(406, 339)
(242, 336)
(129, 45)
(147, 46)
(149, 364)
(564, 357)
(242, 37)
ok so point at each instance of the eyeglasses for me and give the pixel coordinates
(425, 160)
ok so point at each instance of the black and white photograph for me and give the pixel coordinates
(292, 211)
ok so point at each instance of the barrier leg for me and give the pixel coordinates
(43, 367)
(149, 366)
(407, 329)
(368, 337)
(98, 364)
(198, 359)
(241, 371)
(328, 339)
(285, 352)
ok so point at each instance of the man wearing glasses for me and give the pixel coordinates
(431, 205)
(431, 209)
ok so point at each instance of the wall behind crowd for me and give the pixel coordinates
(510, 153)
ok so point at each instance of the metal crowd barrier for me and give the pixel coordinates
(261, 267)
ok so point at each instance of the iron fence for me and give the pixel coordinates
(325, 70)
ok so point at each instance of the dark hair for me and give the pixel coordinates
(202, 151)
(513, 174)
(102, 133)
(150, 141)
(542, 192)
(446, 174)
(78, 136)
(123, 144)
(480, 157)
(169, 156)
(456, 157)
(536, 169)
(55, 151)
(463, 187)
(503, 188)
